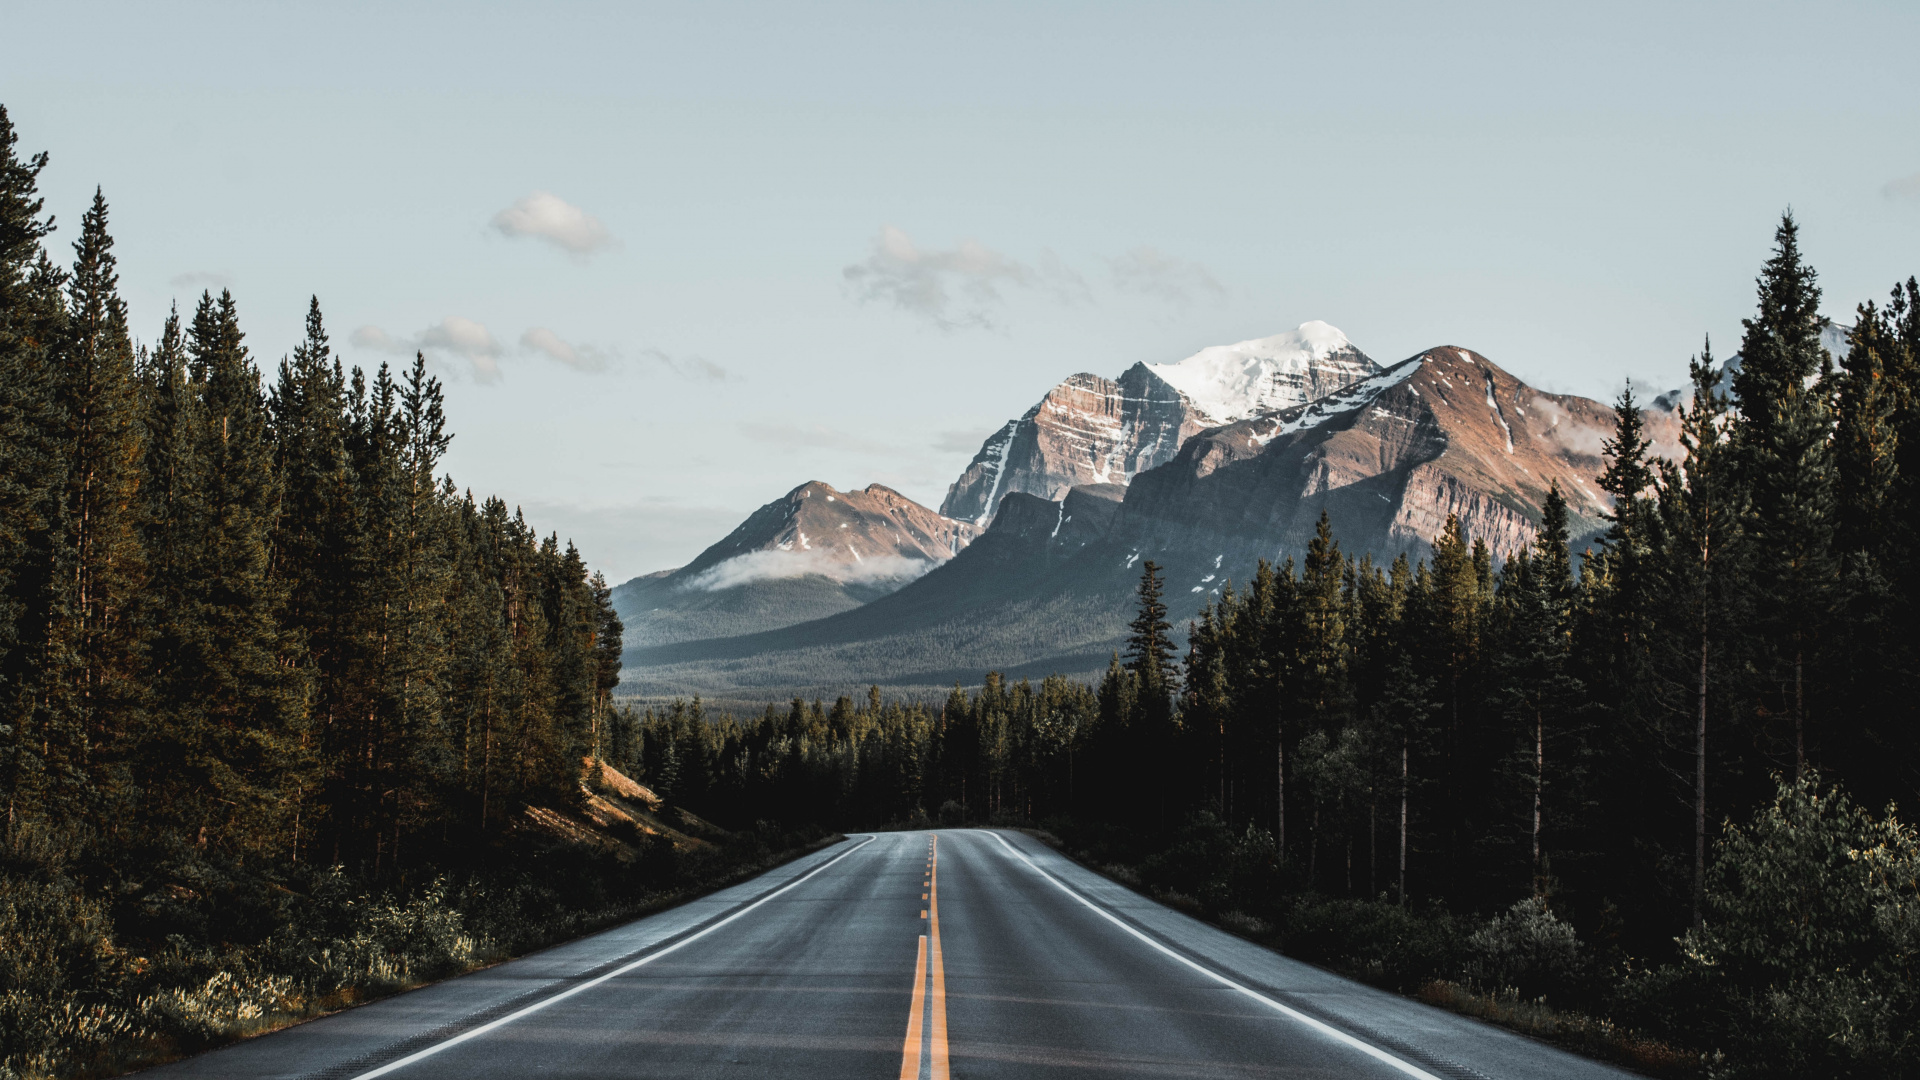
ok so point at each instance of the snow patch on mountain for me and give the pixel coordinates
(1357, 396)
(1233, 382)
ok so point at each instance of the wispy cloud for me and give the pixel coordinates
(459, 341)
(1147, 271)
(452, 338)
(691, 368)
(578, 357)
(1904, 189)
(200, 279)
(546, 216)
(953, 442)
(952, 288)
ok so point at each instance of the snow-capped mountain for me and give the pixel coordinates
(1093, 430)
(1447, 432)
(1047, 588)
(1233, 382)
(813, 552)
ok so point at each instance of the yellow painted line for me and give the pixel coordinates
(937, 1042)
(910, 1056)
(929, 988)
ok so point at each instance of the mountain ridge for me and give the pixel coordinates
(1089, 429)
(1047, 587)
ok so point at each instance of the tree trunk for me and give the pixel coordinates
(1280, 777)
(1700, 790)
(1403, 822)
(1799, 716)
(1539, 788)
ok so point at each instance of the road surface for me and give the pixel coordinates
(962, 953)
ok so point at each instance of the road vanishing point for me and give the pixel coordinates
(955, 953)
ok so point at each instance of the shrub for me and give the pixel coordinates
(1528, 949)
(1806, 965)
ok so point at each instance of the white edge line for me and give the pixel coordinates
(564, 994)
(1292, 1014)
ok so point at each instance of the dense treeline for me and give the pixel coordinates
(242, 617)
(1566, 729)
(253, 653)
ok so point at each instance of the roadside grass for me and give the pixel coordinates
(184, 1001)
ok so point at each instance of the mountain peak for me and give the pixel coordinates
(1093, 430)
(1233, 382)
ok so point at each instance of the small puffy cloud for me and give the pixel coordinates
(200, 279)
(776, 565)
(1147, 271)
(549, 344)
(546, 216)
(926, 282)
(451, 337)
(1904, 189)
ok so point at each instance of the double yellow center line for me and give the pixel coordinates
(927, 1018)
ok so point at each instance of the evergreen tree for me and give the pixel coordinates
(1782, 439)
(1703, 504)
(89, 686)
(226, 751)
(32, 325)
(1533, 674)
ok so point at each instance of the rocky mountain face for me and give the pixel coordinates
(1093, 430)
(1048, 586)
(1389, 459)
(809, 554)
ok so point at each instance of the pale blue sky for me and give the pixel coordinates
(1577, 194)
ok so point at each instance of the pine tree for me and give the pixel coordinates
(1149, 652)
(89, 686)
(1783, 443)
(1703, 504)
(1533, 670)
(226, 751)
(32, 324)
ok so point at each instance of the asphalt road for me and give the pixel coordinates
(962, 953)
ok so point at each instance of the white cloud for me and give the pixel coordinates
(461, 339)
(551, 345)
(925, 282)
(546, 216)
(1151, 272)
(1906, 188)
(778, 565)
(691, 368)
(200, 279)
(451, 337)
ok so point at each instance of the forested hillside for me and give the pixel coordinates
(286, 718)
(1364, 760)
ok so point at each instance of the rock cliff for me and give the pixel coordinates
(1094, 430)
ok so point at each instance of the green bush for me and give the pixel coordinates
(1807, 961)
(1526, 948)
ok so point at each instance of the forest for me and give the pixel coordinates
(289, 720)
(275, 698)
(1633, 779)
